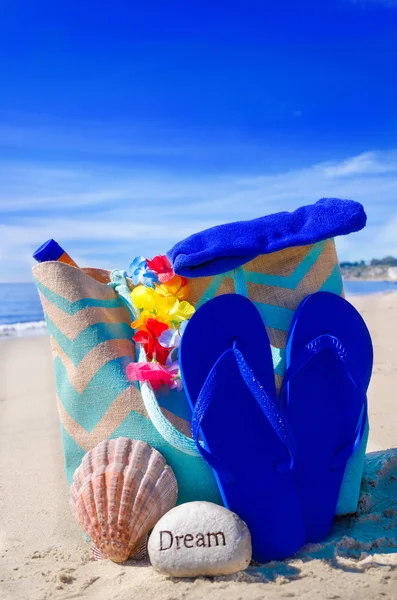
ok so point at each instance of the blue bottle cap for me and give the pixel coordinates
(50, 250)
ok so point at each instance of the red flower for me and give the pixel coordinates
(162, 267)
(154, 373)
(155, 327)
(149, 340)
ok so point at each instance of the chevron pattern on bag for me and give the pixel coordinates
(90, 334)
(277, 283)
(91, 339)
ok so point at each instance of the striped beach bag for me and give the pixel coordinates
(89, 317)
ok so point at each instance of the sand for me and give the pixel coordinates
(43, 555)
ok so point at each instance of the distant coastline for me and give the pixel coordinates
(349, 277)
(384, 269)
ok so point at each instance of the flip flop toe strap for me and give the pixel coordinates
(319, 344)
(266, 403)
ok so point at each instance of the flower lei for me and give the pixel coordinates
(160, 296)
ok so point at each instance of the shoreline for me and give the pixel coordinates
(33, 329)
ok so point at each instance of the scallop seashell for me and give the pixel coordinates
(119, 492)
(139, 551)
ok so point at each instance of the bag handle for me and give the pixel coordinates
(118, 281)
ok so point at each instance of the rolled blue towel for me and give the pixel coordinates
(226, 247)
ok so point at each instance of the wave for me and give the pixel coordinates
(30, 328)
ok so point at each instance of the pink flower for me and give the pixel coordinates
(154, 373)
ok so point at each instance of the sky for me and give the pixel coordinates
(126, 126)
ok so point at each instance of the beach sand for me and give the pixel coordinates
(42, 552)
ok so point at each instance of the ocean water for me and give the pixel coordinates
(20, 310)
(21, 313)
(363, 288)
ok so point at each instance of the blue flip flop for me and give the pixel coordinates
(328, 368)
(227, 371)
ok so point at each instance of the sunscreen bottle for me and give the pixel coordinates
(51, 250)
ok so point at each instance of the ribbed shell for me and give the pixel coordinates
(119, 492)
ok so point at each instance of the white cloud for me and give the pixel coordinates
(129, 142)
(108, 215)
(369, 163)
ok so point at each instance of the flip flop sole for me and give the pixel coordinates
(236, 430)
(322, 404)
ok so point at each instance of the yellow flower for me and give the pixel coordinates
(175, 287)
(144, 298)
(166, 305)
(140, 322)
(161, 304)
(182, 311)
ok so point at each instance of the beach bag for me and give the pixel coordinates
(275, 261)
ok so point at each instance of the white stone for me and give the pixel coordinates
(200, 538)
